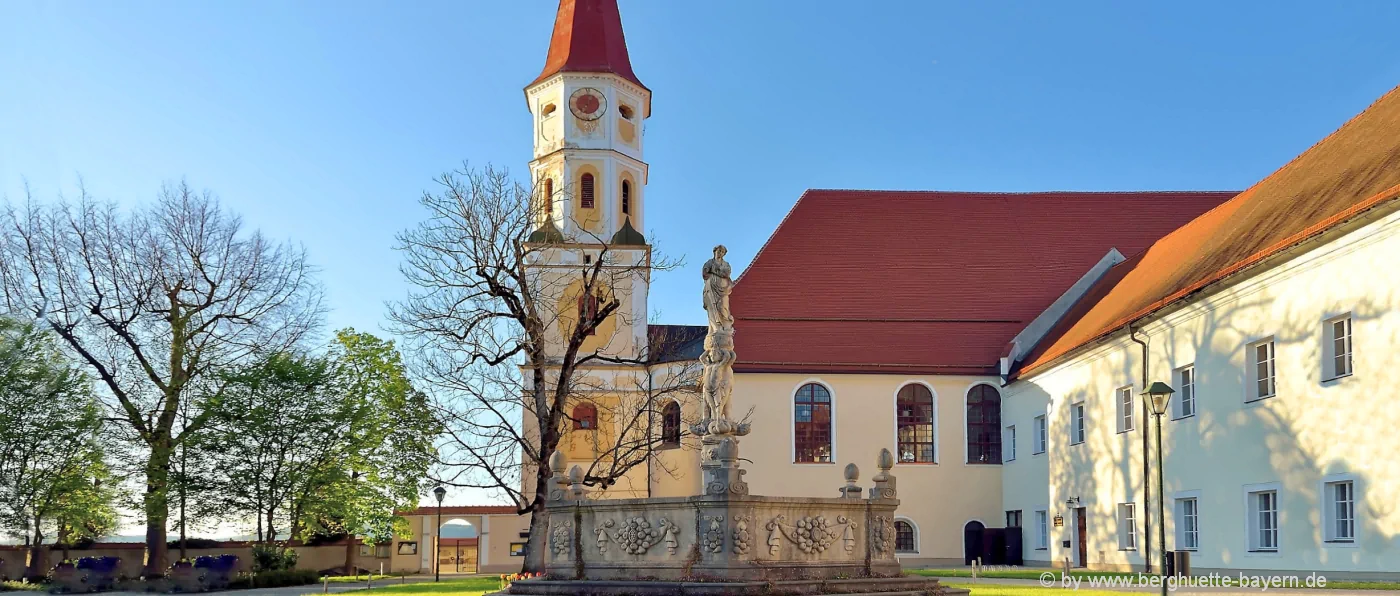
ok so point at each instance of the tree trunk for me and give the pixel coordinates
(350, 554)
(539, 521)
(535, 546)
(157, 506)
(38, 566)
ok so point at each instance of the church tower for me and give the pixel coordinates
(588, 108)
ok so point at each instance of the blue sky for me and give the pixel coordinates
(321, 122)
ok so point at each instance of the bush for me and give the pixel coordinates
(273, 557)
(194, 543)
(275, 579)
(9, 586)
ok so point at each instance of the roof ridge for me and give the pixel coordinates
(1024, 193)
(1243, 195)
(781, 222)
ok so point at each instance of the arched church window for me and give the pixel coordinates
(626, 197)
(625, 110)
(585, 416)
(586, 191)
(547, 111)
(671, 424)
(905, 540)
(812, 424)
(588, 310)
(983, 425)
(914, 424)
(548, 196)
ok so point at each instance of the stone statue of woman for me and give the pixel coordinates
(716, 295)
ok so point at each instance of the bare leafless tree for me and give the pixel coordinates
(494, 331)
(152, 301)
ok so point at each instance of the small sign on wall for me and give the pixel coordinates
(517, 549)
(1059, 521)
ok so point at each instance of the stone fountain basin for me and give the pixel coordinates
(721, 538)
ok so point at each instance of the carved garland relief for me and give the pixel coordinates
(636, 535)
(559, 539)
(812, 534)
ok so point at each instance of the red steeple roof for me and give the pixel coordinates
(588, 38)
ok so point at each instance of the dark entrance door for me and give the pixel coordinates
(1013, 546)
(972, 541)
(1081, 533)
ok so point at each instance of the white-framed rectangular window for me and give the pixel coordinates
(1125, 408)
(1127, 527)
(1338, 348)
(1262, 520)
(1041, 435)
(1042, 530)
(1339, 511)
(1186, 392)
(1076, 423)
(1011, 443)
(1260, 356)
(1188, 523)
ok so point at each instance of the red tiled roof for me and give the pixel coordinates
(462, 510)
(1349, 172)
(588, 38)
(929, 282)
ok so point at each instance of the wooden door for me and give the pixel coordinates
(1081, 531)
(972, 542)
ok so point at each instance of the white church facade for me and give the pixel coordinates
(998, 344)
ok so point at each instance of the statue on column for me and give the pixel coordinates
(720, 433)
(718, 358)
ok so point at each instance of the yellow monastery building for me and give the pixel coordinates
(998, 344)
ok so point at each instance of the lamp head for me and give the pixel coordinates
(1158, 394)
(439, 492)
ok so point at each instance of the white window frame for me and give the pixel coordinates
(1042, 529)
(1009, 444)
(1123, 400)
(1329, 348)
(1254, 515)
(1042, 434)
(1078, 421)
(913, 526)
(1183, 528)
(792, 422)
(1252, 366)
(1330, 511)
(1186, 392)
(1127, 526)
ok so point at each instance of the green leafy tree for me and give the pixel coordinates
(155, 302)
(53, 476)
(279, 429)
(389, 447)
(324, 445)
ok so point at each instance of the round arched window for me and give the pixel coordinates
(812, 424)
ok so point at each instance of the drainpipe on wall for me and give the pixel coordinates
(1146, 488)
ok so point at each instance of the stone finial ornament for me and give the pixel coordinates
(560, 489)
(851, 491)
(576, 489)
(884, 480)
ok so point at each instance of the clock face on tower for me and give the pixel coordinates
(588, 104)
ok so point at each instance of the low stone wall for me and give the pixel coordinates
(14, 559)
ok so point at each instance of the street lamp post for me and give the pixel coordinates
(438, 492)
(1158, 394)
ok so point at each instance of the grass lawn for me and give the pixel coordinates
(985, 590)
(1032, 573)
(996, 590)
(471, 586)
